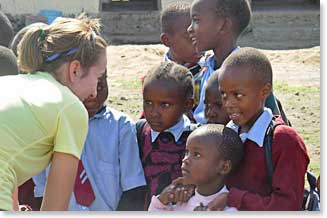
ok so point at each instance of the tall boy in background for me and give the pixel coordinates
(216, 25)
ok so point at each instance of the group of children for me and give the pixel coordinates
(200, 144)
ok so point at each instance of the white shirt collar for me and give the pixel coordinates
(206, 199)
(255, 133)
(176, 130)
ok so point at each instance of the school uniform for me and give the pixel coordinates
(111, 159)
(248, 184)
(162, 154)
(206, 72)
(190, 205)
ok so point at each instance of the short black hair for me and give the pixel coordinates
(228, 142)
(175, 73)
(6, 30)
(171, 13)
(213, 80)
(257, 61)
(8, 62)
(239, 11)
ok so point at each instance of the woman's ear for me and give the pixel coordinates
(74, 70)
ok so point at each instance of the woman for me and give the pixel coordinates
(42, 118)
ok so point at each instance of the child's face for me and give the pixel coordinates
(93, 105)
(243, 95)
(205, 26)
(163, 104)
(213, 106)
(202, 162)
(180, 44)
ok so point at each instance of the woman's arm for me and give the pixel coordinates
(60, 182)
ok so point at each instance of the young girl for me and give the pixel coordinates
(167, 95)
(41, 114)
(212, 151)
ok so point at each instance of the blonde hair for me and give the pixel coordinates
(66, 39)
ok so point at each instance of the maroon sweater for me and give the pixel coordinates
(249, 186)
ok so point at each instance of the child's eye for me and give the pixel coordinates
(239, 95)
(196, 154)
(165, 105)
(223, 95)
(147, 102)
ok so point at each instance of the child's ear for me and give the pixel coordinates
(266, 90)
(164, 38)
(227, 25)
(225, 167)
(188, 104)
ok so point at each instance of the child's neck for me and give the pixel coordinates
(210, 188)
(222, 52)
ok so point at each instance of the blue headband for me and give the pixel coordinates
(60, 54)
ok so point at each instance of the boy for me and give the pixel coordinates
(245, 81)
(110, 158)
(213, 106)
(212, 152)
(6, 30)
(174, 22)
(8, 62)
(216, 25)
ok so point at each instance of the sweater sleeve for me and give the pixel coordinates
(156, 205)
(290, 161)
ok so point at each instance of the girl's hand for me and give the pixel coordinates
(219, 203)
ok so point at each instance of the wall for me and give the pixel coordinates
(18, 7)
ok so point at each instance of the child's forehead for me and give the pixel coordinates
(207, 5)
(162, 84)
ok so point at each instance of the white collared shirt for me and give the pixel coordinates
(255, 133)
(176, 130)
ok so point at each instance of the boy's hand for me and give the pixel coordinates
(201, 207)
(219, 203)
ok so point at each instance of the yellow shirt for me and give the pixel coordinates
(38, 116)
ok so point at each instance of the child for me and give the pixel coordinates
(213, 106)
(212, 152)
(167, 95)
(6, 30)
(245, 81)
(19, 35)
(8, 62)
(42, 117)
(174, 22)
(110, 158)
(216, 25)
